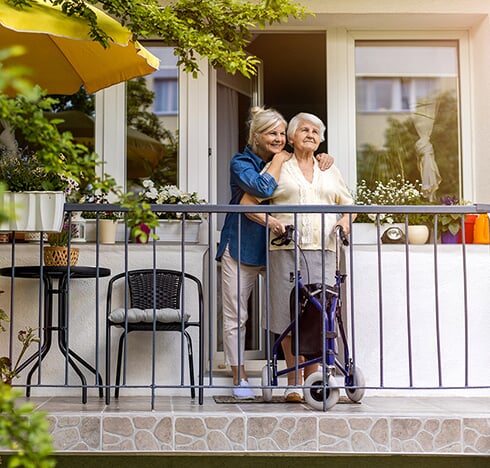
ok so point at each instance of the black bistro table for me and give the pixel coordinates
(55, 282)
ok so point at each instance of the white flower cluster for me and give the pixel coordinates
(169, 195)
(396, 191)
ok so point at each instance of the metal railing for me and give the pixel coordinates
(416, 316)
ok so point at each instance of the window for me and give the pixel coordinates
(166, 95)
(398, 94)
(153, 117)
(407, 114)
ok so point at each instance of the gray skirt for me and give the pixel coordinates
(281, 265)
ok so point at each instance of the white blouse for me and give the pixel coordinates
(327, 188)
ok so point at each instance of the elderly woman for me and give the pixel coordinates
(266, 141)
(302, 183)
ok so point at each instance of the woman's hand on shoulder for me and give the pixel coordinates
(325, 161)
(283, 156)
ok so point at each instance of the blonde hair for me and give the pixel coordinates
(305, 116)
(261, 120)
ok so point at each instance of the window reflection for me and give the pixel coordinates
(153, 115)
(407, 114)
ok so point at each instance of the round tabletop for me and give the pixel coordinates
(34, 271)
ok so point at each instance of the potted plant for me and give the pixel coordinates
(170, 223)
(103, 221)
(449, 224)
(36, 194)
(56, 254)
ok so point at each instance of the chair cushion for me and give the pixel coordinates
(146, 315)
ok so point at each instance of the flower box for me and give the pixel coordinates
(34, 211)
(170, 230)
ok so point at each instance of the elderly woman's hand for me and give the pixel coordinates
(345, 224)
(276, 227)
(324, 161)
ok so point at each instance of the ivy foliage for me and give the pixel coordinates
(216, 29)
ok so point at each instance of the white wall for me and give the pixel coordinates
(389, 308)
(83, 318)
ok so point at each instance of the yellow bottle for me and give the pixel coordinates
(481, 230)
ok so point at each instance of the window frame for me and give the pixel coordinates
(341, 79)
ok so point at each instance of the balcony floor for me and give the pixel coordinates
(403, 425)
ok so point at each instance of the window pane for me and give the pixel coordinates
(407, 114)
(153, 116)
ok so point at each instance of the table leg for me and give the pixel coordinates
(63, 340)
(46, 339)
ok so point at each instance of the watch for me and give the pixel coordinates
(393, 235)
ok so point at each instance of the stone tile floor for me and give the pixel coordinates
(449, 425)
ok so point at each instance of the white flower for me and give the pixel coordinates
(169, 195)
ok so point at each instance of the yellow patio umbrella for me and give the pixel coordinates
(61, 54)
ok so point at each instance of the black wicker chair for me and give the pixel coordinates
(140, 287)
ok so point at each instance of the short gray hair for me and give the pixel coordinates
(261, 120)
(305, 116)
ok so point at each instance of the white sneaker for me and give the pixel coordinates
(243, 391)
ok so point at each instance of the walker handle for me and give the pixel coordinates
(341, 235)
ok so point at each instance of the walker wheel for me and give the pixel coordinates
(314, 396)
(356, 394)
(266, 392)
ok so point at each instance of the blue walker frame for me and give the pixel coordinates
(325, 392)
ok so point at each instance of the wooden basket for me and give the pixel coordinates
(58, 256)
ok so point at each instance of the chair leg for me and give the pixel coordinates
(119, 362)
(108, 364)
(191, 364)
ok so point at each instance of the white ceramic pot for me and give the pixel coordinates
(418, 234)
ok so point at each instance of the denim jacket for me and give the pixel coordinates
(245, 177)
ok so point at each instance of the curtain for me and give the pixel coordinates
(227, 121)
(423, 119)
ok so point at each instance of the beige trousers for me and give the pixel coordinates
(235, 305)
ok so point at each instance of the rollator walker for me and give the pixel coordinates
(315, 329)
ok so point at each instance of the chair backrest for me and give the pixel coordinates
(168, 293)
(168, 289)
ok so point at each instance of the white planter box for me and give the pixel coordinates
(171, 231)
(167, 231)
(33, 211)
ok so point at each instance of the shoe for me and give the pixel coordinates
(243, 391)
(293, 395)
